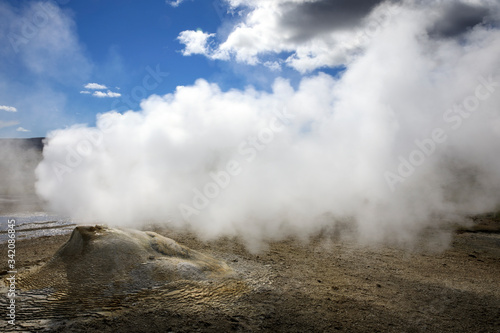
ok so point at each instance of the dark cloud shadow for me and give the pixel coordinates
(458, 18)
(308, 19)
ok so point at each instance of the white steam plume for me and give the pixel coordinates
(407, 138)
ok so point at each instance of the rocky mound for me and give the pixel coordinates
(108, 260)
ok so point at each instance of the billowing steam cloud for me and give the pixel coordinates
(406, 138)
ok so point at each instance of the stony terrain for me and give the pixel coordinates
(325, 285)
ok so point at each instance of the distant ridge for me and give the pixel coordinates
(30, 143)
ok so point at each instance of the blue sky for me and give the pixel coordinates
(53, 49)
(114, 44)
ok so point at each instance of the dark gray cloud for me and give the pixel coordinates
(308, 19)
(457, 18)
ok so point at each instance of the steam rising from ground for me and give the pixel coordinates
(406, 138)
(18, 159)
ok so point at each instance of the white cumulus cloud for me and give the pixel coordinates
(325, 33)
(195, 42)
(109, 93)
(8, 108)
(95, 86)
(22, 129)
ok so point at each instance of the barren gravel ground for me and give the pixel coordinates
(325, 285)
